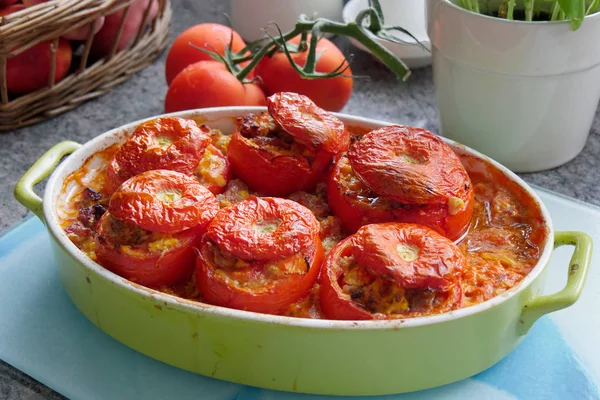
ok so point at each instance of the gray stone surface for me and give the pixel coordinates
(382, 97)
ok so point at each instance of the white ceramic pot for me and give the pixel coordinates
(523, 93)
(248, 17)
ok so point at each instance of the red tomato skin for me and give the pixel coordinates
(274, 175)
(30, 70)
(153, 269)
(137, 201)
(275, 300)
(113, 179)
(209, 36)
(334, 303)
(140, 153)
(255, 96)
(432, 176)
(354, 215)
(331, 94)
(209, 84)
(234, 228)
(437, 266)
(308, 124)
(337, 305)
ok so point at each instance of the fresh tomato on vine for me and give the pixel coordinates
(208, 36)
(331, 94)
(299, 61)
(210, 84)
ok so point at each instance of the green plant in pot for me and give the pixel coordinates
(517, 80)
(532, 10)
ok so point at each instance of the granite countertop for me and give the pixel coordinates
(381, 97)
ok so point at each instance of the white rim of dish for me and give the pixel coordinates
(179, 303)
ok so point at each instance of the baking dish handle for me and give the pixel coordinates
(38, 172)
(578, 269)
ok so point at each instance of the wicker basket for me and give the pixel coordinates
(87, 78)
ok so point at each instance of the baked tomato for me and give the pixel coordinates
(411, 255)
(261, 255)
(210, 84)
(435, 189)
(213, 170)
(171, 143)
(113, 177)
(209, 36)
(307, 123)
(355, 286)
(410, 165)
(147, 258)
(163, 201)
(331, 94)
(277, 158)
(357, 205)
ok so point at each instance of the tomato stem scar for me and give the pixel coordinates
(408, 252)
(267, 226)
(164, 141)
(169, 195)
(410, 159)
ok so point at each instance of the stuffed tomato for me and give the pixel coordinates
(289, 148)
(154, 221)
(261, 254)
(170, 143)
(391, 270)
(402, 174)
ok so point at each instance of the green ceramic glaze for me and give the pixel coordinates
(38, 172)
(578, 269)
(292, 354)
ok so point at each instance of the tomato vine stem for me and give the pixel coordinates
(367, 29)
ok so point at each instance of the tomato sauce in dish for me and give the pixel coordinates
(503, 243)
